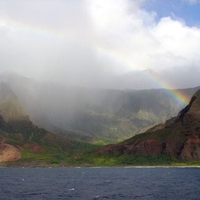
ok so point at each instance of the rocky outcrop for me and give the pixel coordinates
(191, 149)
(8, 152)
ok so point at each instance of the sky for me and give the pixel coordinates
(91, 43)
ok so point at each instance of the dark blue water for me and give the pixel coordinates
(99, 183)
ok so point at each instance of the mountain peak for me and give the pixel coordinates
(195, 108)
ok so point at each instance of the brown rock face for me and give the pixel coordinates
(145, 148)
(172, 148)
(191, 150)
(8, 153)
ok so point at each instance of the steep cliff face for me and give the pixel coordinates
(175, 138)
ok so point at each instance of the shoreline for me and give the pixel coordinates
(90, 166)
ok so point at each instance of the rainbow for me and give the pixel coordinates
(33, 29)
(181, 98)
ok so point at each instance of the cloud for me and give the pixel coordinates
(192, 2)
(88, 42)
(177, 44)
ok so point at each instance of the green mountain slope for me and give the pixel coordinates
(172, 142)
(25, 144)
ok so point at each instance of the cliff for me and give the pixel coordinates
(175, 138)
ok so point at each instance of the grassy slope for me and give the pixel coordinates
(174, 132)
(54, 151)
(43, 148)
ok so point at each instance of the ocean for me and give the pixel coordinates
(99, 183)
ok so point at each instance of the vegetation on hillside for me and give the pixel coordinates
(111, 116)
(98, 116)
(39, 147)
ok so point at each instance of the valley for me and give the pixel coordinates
(56, 126)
